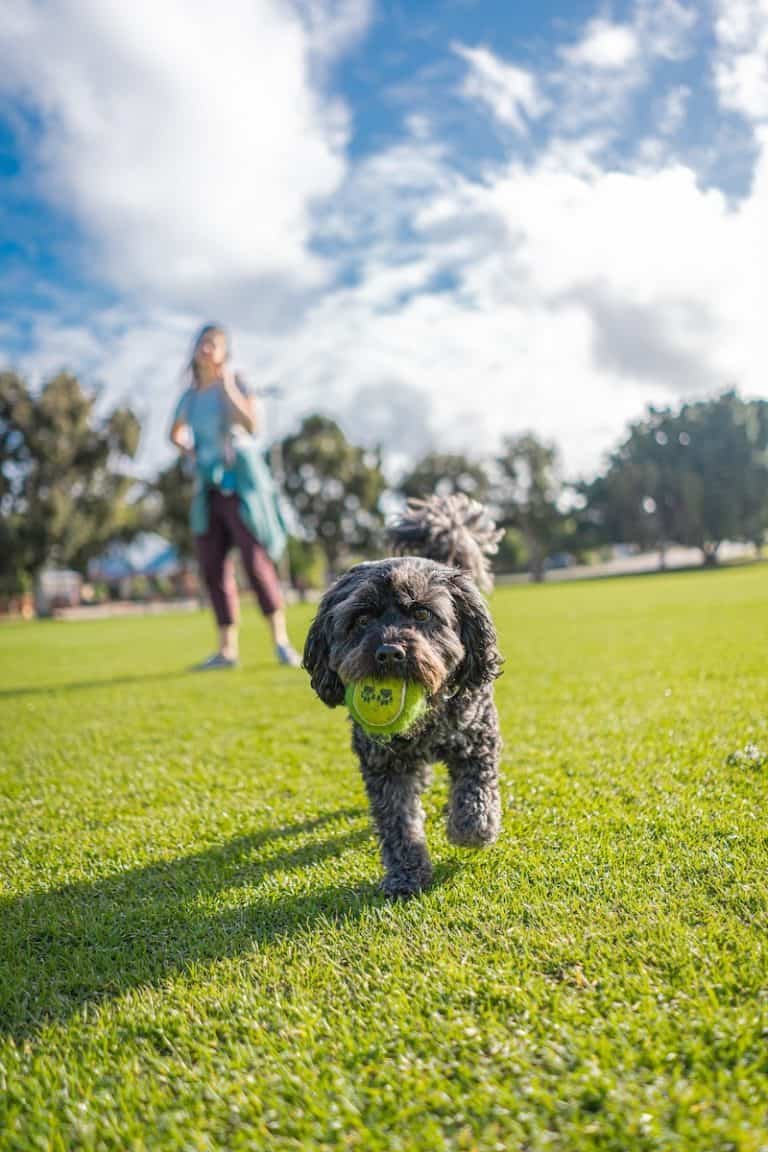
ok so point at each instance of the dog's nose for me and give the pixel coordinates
(390, 654)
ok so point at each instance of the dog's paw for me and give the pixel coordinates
(476, 824)
(403, 885)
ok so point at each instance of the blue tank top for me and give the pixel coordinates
(207, 412)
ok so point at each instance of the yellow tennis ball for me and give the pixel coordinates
(387, 707)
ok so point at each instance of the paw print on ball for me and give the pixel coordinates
(371, 695)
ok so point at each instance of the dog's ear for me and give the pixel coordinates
(482, 660)
(317, 652)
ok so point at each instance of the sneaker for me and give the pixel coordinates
(215, 661)
(287, 655)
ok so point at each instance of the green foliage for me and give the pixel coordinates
(166, 504)
(63, 489)
(723, 471)
(512, 555)
(446, 474)
(697, 477)
(306, 564)
(335, 488)
(194, 953)
(528, 494)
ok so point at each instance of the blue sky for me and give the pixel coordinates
(440, 221)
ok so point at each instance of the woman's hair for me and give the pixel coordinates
(206, 330)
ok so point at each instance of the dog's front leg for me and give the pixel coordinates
(474, 809)
(399, 817)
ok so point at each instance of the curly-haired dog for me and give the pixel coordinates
(414, 618)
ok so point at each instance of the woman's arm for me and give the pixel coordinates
(180, 434)
(243, 406)
(179, 437)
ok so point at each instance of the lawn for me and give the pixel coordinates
(194, 953)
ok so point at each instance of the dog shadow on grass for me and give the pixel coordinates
(187, 673)
(73, 686)
(90, 942)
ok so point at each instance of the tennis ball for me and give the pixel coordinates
(385, 708)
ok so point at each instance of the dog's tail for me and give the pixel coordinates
(454, 530)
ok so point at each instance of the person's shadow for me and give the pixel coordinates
(89, 942)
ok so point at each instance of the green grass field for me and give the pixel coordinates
(194, 954)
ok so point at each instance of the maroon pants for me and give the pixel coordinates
(225, 529)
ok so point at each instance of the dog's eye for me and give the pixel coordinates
(363, 620)
(421, 615)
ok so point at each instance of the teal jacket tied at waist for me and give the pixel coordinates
(257, 495)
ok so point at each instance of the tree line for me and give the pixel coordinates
(695, 475)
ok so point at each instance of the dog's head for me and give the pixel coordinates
(405, 617)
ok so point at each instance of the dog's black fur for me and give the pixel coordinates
(427, 622)
(454, 530)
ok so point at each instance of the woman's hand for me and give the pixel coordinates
(180, 439)
(229, 382)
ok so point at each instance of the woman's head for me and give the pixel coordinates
(210, 351)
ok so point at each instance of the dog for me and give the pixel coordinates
(421, 618)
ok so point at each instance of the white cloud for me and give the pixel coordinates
(334, 26)
(741, 65)
(654, 29)
(137, 356)
(674, 110)
(187, 139)
(611, 62)
(604, 45)
(557, 293)
(511, 92)
(665, 27)
(573, 298)
(669, 115)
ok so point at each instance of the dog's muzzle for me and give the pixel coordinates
(390, 659)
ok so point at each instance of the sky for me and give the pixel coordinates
(439, 221)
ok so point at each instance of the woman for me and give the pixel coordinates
(234, 501)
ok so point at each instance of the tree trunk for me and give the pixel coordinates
(710, 554)
(536, 563)
(332, 557)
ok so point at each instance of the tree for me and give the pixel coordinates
(64, 491)
(528, 495)
(511, 556)
(306, 562)
(633, 502)
(335, 488)
(166, 503)
(445, 474)
(696, 477)
(722, 446)
(755, 507)
(14, 460)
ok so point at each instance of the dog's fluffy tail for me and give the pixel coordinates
(453, 530)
